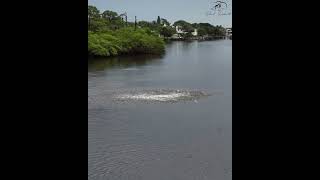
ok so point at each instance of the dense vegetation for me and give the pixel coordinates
(123, 41)
(109, 33)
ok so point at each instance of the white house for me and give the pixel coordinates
(228, 31)
(179, 30)
(195, 32)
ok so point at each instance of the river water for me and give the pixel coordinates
(162, 117)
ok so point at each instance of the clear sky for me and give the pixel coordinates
(193, 11)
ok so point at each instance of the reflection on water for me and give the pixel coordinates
(100, 64)
(162, 141)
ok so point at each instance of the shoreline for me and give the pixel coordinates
(197, 38)
(91, 57)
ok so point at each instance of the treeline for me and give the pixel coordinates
(110, 34)
(164, 28)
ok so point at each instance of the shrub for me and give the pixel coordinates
(124, 41)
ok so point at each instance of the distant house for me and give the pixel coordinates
(229, 32)
(179, 30)
(195, 32)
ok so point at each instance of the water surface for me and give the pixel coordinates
(165, 129)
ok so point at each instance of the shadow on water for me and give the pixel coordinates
(126, 61)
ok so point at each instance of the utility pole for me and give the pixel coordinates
(125, 15)
(89, 22)
(135, 22)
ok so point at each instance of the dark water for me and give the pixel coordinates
(143, 140)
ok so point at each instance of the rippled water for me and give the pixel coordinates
(162, 118)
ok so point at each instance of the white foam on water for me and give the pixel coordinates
(158, 95)
(130, 69)
(153, 97)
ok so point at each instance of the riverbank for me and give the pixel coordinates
(132, 43)
(110, 34)
(124, 41)
(199, 38)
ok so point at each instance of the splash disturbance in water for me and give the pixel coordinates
(159, 96)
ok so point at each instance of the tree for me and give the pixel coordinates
(114, 19)
(206, 25)
(164, 21)
(202, 31)
(158, 20)
(95, 22)
(110, 15)
(167, 31)
(204, 28)
(221, 31)
(99, 25)
(144, 24)
(187, 27)
(93, 12)
(151, 25)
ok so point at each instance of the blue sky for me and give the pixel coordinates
(172, 10)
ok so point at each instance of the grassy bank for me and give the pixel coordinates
(124, 41)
